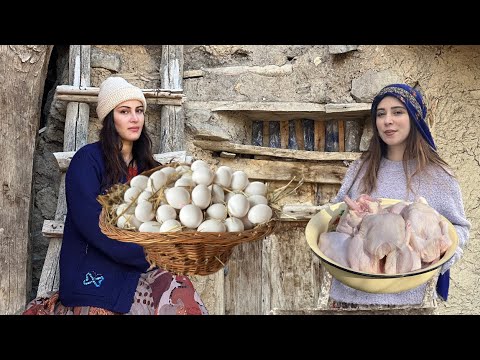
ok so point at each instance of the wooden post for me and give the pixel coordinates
(172, 126)
(257, 133)
(75, 136)
(23, 69)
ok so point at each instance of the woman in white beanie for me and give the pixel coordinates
(99, 275)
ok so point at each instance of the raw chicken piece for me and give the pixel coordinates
(429, 232)
(397, 208)
(379, 235)
(383, 233)
(404, 259)
(359, 259)
(334, 245)
(356, 210)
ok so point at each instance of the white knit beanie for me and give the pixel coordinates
(114, 91)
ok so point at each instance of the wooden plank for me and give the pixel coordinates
(299, 135)
(218, 146)
(341, 136)
(319, 138)
(174, 156)
(331, 136)
(291, 212)
(92, 92)
(266, 134)
(161, 99)
(64, 158)
(273, 170)
(308, 132)
(52, 228)
(172, 124)
(283, 134)
(257, 133)
(351, 110)
(274, 134)
(353, 135)
(290, 271)
(243, 280)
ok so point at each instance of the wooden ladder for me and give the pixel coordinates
(79, 94)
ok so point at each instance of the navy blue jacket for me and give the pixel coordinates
(94, 269)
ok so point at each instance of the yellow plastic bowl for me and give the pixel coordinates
(369, 282)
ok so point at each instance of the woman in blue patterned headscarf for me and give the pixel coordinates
(402, 163)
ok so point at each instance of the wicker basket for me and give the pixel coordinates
(186, 252)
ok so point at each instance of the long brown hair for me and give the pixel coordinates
(111, 143)
(417, 148)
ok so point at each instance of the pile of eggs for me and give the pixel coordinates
(195, 198)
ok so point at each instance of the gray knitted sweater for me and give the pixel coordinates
(441, 191)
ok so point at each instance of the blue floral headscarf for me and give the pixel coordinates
(413, 101)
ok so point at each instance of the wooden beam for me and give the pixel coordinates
(89, 95)
(52, 228)
(64, 158)
(290, 212)
(268, 170)
(275, 152)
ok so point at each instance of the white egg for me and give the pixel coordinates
(144, 196)
(218, 196)
(168, 170)
(182, 169)
(171, 226)
(211, 225)
(239, 180)
(144, 211)
(177, 197)
(260, 214)
(198, 164)
(238, 205)
(223, 177)
(157, 180)
(203, 176)
(165, 212)
(131, 194)
(227, 168)
(257, 199)
(234, 224)
(128, 221)
(228, 195)
(185, 182)
(139, 181)
(190, 216)
(201, 196)
(256, 188)
(123, 206)
(150, 226)
(217, 211)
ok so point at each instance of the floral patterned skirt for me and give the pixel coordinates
(158, 292)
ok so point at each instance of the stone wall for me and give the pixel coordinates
(448, 76)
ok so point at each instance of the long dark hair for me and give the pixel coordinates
(111, 143)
